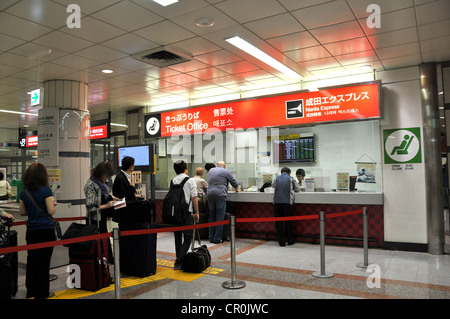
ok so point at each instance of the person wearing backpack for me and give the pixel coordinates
(183, 239)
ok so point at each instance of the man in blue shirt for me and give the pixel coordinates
(283, 199)
(218, 179)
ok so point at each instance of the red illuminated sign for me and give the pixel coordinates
(356, 102)
(31, 141)
(99, 132)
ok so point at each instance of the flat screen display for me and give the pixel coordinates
(295, 150)
(141, 155)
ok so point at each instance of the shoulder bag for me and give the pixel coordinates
(57, 226)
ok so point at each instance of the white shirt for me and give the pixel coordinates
(4, 187)
(127, 175)
(189, 188)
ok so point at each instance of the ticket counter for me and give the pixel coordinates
(346, 230)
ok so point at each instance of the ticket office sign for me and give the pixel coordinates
(356, 102)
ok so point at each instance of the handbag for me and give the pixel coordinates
(198, 259)
(56, 225)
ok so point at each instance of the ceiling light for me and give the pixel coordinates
(21, 113)
(205, 22)
(257, 53)
(366, 67)
(117, 124)
(107, 71)
(165, 3)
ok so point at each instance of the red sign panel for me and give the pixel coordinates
(99, 132)
(32, 141)
(336, 104)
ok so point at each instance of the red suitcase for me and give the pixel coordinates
(93, 263)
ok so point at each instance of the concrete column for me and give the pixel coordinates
(432, 158)
(64, 148)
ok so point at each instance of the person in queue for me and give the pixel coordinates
(6, 215)
(218, 179)
(202, 186)
(208, 166)
(36, 199)
(283, 201)
(183, 239)
(300, 173)
(123, 187)
(5, 188)
(202, 189)
(99, 201)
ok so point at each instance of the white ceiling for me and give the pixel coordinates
(313, 37)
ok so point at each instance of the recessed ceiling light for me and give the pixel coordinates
(366, 67)
(107, 71)
(165, 3)
(262, 56)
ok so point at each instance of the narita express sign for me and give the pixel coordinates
(356, 102)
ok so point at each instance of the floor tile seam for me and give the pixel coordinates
(322, 289)
(349, 277)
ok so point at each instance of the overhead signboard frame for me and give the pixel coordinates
(360, 101)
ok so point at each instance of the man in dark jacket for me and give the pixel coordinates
(283, 199)
(122, 184)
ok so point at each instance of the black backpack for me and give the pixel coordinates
(175, 209)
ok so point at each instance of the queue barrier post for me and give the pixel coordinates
(365, 264)
(322, 273)
(233, 283)
(116, 234)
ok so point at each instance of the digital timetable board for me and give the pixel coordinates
(295, 150)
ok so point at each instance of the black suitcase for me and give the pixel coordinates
(138, 252)
(8, 264)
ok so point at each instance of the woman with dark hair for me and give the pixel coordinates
(99, 201)
(35, 201)
(98, 197)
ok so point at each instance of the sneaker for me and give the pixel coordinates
(176, 267)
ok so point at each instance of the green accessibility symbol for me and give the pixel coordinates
(402, 146)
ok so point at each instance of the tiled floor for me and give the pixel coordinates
(273, 272)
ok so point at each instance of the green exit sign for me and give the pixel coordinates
(36, 97)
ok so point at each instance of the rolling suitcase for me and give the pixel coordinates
(138, 252)
(93, 263)
(8, 263)
(91, 256)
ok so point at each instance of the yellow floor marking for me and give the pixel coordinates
(164, 270)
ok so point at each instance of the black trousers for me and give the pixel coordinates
(37, 279)
(183, 240)
(285, 229)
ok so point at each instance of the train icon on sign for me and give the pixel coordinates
(294, 109)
